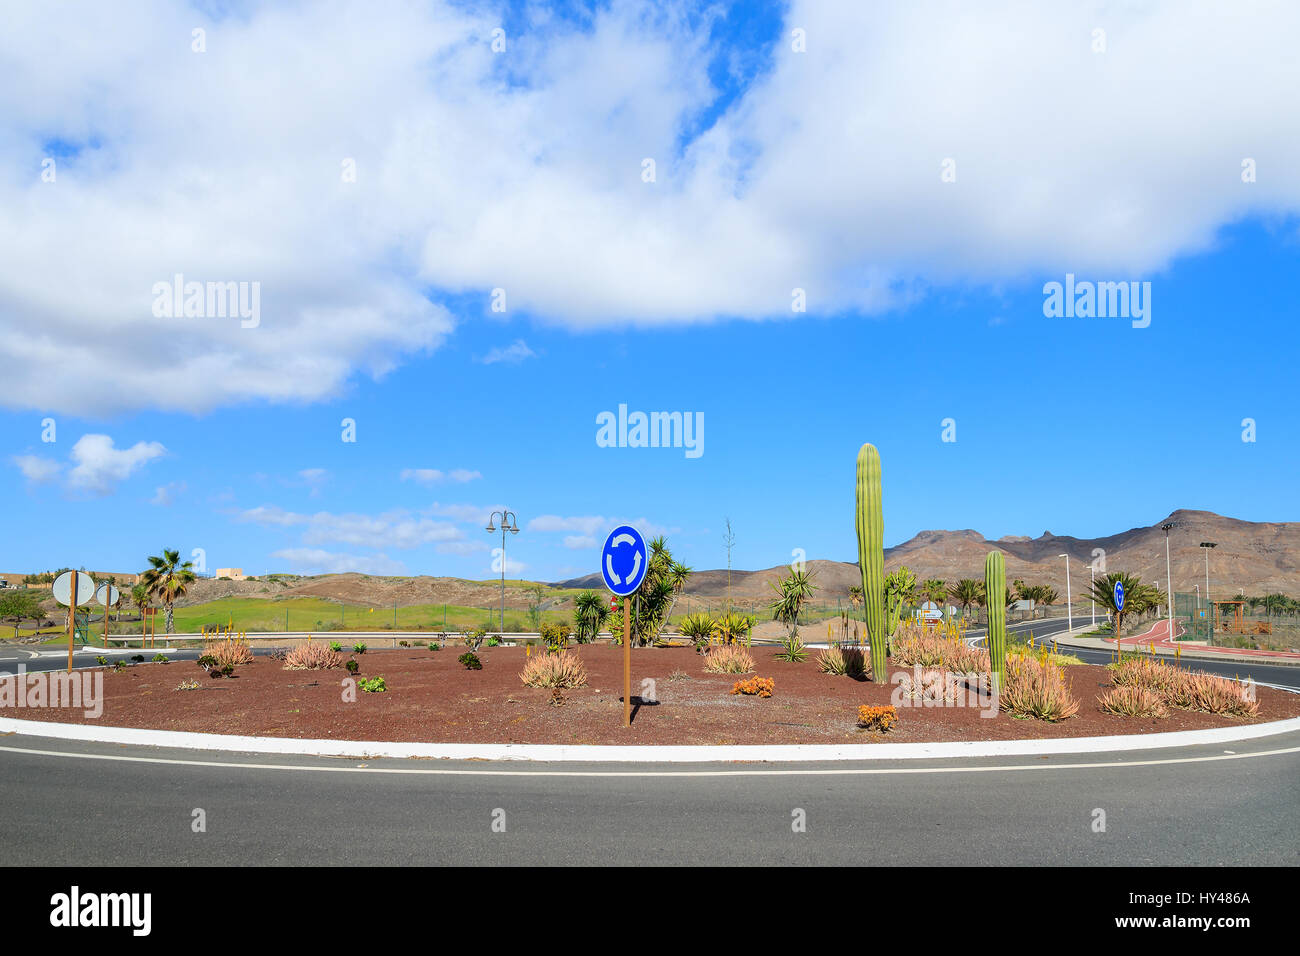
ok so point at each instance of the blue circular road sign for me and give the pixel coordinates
(1119, 595)
(624, 560)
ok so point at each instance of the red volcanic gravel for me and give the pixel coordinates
(432, 698)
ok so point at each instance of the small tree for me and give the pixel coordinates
(18, 605)
(792, 593)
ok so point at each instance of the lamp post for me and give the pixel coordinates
(1069, 609)
(509, 522)
(1206, 546)
(1092, 598)
(1169, 577)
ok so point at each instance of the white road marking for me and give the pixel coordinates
(819, 772)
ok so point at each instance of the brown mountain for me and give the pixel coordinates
(1260, 557)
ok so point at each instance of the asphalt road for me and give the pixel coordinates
(68, 803)
(84, 805)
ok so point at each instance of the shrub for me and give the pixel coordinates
(931, 684)
(698, 627)
(917, 649)
(1218, 695)
(119, 666)
(232, 650)
(352, 666)
(403, 643)
(877, 718)
(728, 659)
(792, 650)
(1145, 673)
(101, 660)
(336, 647)
(372, 685)
(555, 636)
(1036, 688)
(554, 670)
(840, 661)
(961, 658)
(138, 658)
(312, 656)
(761, 686)
(359, 647)
(188, 685)
(435, 646)
(160, 659)
(1130, 700)
(471, 661)
(493, 642)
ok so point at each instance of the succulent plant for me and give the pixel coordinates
(871, 555)
(995, 582)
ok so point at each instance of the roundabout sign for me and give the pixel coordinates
(624, 561)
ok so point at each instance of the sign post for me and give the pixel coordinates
(623, 563)
(72, 588)
(107, 595)
(1119, 606)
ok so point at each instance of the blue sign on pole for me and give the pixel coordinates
(624, 560)
(1119, 595)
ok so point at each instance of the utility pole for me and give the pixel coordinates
(1069, 608)
(1169, 577)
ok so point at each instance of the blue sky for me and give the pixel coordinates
(925, 297)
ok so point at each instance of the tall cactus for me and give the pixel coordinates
(995, 590)
(871, 556)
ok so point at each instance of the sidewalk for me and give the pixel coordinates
(1157, 635)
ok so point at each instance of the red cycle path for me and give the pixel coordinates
(1158, 634)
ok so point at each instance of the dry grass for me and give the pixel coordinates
(1130, 700)
(1033, 687)
(728, 659)
(554, 670)
(312, 656)
(233, 651)
(842, 661)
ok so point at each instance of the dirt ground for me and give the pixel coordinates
(432, 698)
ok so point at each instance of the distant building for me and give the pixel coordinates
(235, 574)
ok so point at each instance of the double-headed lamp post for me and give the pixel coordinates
(1092, 594)
(1169, 577)
(508, 523)
(1069, 608)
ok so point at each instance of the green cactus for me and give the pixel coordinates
(995, 587)
(871, 556)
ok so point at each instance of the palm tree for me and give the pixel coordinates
(936, 590)
(1102, 591)
(965, 592)
(589, 613)
(791, 595)
(1047, 596)
(168, 580)
(141, 598)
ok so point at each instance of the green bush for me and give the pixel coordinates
(160, 658)
(359, 647)
(372, 685)
(335, 646)
(352, 666)
(435, 646)
(471, 661)
(101, 660)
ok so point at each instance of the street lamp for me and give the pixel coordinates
(508, 523)
(1206, 546)
(1169, 577)
(1092, 593)
(1069, 609)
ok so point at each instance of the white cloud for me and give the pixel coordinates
(514, 353)
(98, 465)
(589, 527)
(476, 172)
(36, 469)
(317, 561)
(394, 529)
(427, 476)
(580, 542)
(165, 495)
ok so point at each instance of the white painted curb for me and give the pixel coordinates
(588, 753)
